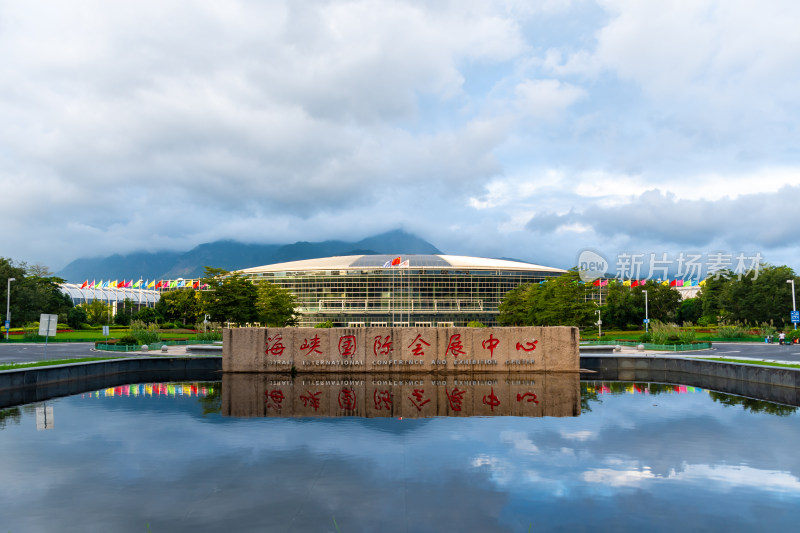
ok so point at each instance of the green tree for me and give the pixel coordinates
(618, 310)
(561, 301)
(77, 316)
(180, 304)
(690, 310)
(230, 298)
(98, 312)
(756, 297)
(148, 315)
(125, 311)
(276, 306)
(31, 294)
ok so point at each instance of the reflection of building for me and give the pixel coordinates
(433, 290)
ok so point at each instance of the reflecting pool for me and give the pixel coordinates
(210, 456)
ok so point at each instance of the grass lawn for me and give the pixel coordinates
(97, 334)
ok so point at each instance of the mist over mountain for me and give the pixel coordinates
(232, 255)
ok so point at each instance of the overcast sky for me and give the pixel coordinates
(509, 128)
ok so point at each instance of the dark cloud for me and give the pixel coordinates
(757, 219)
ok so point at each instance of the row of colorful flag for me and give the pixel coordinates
(637, 282)
(141, 284)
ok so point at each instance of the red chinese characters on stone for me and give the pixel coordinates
(311, 346)
(490, 344)
(276, 397)
(455, 346)
(347, 399)
(417, 343)
(416, 401)
(275, 345)
(455, 397)
(347, 345)
(383, 399)
(491, 400)
(521, 397)
(528, 346)
(311, 398)
(382, 346)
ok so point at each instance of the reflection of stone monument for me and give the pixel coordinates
(374, 395)
(531, 349)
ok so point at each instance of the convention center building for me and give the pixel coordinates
(407, 290)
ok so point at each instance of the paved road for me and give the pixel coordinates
(32, 352)
(751, 350)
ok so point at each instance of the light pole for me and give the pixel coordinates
(646, 319)
(8, 305)
(599, 325)
(794, 305)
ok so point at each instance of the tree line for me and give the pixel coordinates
(232, 298)
(760, 297)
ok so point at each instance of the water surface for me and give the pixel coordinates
(638, 457)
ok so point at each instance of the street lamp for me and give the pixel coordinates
(794, 305)
(8, 305)
(599, 325)
(646, 319)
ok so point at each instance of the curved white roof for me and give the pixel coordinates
(416, 261)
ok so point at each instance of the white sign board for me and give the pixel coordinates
(48, 325)
(105, 331)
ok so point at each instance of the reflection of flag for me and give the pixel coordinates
(635, 283)
(680, 283)
(85, 284)
(396, 261)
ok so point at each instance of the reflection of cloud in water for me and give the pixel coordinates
(520, 441)
(719, 477)
(578, 435)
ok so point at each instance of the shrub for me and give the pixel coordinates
(737, 330)
(143, 333)
(128, 340)
(213, 332)
(475, 324)
(326, 324)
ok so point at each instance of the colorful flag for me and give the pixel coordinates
(159, 284)
(180, 283)
(173, 284)
(137, 284)
(151, 284)
(635, 283)
(92, 285)
(405, 264)
(85, 284)
(396, 261)
(196, 285)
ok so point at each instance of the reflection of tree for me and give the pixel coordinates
(754, 406)
(13, 415)
(588, 394)
(211, 402)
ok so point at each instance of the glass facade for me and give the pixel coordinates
(429, 292)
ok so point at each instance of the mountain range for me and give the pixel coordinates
(233, 255)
